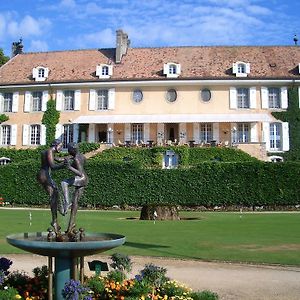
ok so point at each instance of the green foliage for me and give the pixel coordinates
(174, 289)
(204, 295)
(3, 58)
(8, 294)
(121, 262)
(96, 284)
(50, 119)
(3, 118)
(154, 275)
(116, 276)
(85, 147)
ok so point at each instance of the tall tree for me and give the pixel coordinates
(3, 58)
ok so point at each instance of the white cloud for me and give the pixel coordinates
(38, 45)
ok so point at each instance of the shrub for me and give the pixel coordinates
(116, 276)
(97, 285)
(204, 295)
(9, 293)
(121, 262)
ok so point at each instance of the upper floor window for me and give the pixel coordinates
(243, 98)
(205, 95)
(7, 102)
(171, 95)
(102, 99)
(40, 73)
(5, 135)
(68, 100)
(172, 70)
(275, 136)
(274, 97)
(137, 96)
(104, 71)
(241, 69)
(35, 134)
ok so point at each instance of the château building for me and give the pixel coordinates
(216, 95)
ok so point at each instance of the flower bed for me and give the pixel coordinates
(151, 283)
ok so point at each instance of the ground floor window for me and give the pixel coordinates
(137, 133)
(5, 135)
(206, 132)
(35, 134)
(243, 133)
(275, 136)
(68, 135)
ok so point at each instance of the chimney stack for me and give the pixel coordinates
(122, 44)
(17, 48)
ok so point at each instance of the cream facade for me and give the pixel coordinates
(138, 110)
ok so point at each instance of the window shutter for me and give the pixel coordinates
(110, 70)
(178, 69)
(247, 68)
(15, 103)
(233, 98)
(27, 101)
(46, 74)
(253, 133)
(59, 131)
(92, 100)
(98, 71)
(285, 136)
(110, 133)
(166, 69)
(76, 132)
(233, 132)
(43, 134)
(266, 134)
(299, 95)
(216, 134)
(35, 73)
(234, 68)
(127, 132)
(13, 138)
(182, 132)
(284, 97)
(146, 132)
(1, 102)
(59, 100)
(111, 98)
(253, 97)
(25, 140)
(91, 137)
(44, 100)
(264, 97)
(77, 100)
(196, 133)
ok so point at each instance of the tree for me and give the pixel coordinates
(3, 58)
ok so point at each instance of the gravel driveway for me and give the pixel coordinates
(230, 281)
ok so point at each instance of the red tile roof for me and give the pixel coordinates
(147, 63)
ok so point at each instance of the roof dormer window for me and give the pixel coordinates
(172, 70)
(40, 73)
(241, 69)
(104, 71)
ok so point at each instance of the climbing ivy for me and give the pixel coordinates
(50, 119)
(3, 118)
(292, 115)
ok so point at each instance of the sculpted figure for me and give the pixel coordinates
(50, 162)
(79, 182)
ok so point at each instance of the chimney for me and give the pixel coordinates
(122, 44)
(17, 48)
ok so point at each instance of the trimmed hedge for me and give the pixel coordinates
(208, 184)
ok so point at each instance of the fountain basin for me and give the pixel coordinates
(93, 243)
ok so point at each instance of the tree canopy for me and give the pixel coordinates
(3, 58)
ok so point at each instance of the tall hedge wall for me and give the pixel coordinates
(208, 184)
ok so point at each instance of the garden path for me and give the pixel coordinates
(230, 280)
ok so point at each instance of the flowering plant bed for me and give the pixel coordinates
(150, 283)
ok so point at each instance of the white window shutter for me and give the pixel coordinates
(59, 130)
(110, 133)
(284, 97)
(264, 97)
(196, 133)
(234, 68)
(1, 102)
(13, 138)
(77, 100)
(146, 132)
(178, 69)
(285, 136)
(76, 132)
(299, 95)
(166, 69)
(25, 140)
(216, 134)
(15, 103)
(266, 134)
(92, 100)
(233, 127)
(46, 74)
(43, 134)
(27, 101)
(233, 98)
(182, 132)
(253, 97)
(91, 137)
(127, 132)
(253, 133)
(98, 71)
(35, 73)
(111, 98)
(59, 100)
(247, 68)
(110, 70)
(44, 100)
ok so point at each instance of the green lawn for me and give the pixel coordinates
(248, 237)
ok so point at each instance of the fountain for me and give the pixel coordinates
(69, 247)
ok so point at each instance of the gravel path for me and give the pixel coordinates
(230, 281)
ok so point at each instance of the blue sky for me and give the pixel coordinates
(46, 25)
